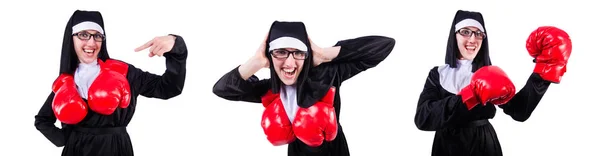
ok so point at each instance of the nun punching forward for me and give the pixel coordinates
(460, 97)
(94, 96)
(301, 98)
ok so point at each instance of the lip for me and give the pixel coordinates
(89, 54)
(470, 48)
(285, 71)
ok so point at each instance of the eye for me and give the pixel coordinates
(465, 32)
(300, 53)
(279, 52)
(99, 36)
(480, 34)
(84, 35)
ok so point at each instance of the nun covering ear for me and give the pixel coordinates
(94, 123)
(353, 57)
(280, 34)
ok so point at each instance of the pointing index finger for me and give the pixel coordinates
(146, 45)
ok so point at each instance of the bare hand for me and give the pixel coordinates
(318, 56)
(255, 63)
(260, 55)
(159, 45)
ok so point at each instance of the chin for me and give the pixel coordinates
(90, 60)
(288, 82)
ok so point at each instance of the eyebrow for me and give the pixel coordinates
(476, 30)
(85, 31)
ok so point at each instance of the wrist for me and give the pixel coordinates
(330, 53)
(468, 97)
(248, 69)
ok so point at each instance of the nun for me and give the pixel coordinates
(94, 96)
(453, 101)
(302, 96)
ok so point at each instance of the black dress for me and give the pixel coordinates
(101, 135)
(460, 132)
(356, 55)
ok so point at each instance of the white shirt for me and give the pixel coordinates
(85, 76)
(454, 79)
(288, 99)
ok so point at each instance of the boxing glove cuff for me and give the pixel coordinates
(468, 97)
(550, 72)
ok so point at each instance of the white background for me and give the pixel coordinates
(378, 105)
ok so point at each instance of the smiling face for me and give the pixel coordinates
(87, 45)
(469, 40)
(288, 67)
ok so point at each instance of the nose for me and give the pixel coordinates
(472, 38)
(90, 42)
(290, 61)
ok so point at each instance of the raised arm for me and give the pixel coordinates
(44, 122)
(521, 106)
(551, 49)
(350, 57)
(232, 86)
(171, 82)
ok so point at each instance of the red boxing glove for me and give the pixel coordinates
(110, 89)
(67, 105)
(314, 124)
(275, 122)
(551, 48)
(488, 84)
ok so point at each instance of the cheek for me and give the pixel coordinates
(78, 46)
(277, 64)
(460, 41)
(480, 44)
(299, 70)
(300, 63)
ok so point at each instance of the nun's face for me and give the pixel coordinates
(469, 41)
(288, 67)
(87, 45)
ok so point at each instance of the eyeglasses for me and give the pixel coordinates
(86, 36)
(468, 33)
(282, 53)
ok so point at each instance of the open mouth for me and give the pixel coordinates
(89, 52)
(289, 72)
(471, 48)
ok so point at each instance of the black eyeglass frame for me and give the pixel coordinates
(287, 54)
(468, 33)
(86, 36)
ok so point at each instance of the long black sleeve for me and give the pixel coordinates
(521, 106)
(44, 122)
(435, 111)
(233, 87)
(357, 55)
(171, 83)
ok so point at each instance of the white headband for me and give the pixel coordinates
(86, 26)
(287, 42)
(466, 23)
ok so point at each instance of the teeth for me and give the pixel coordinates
(471, 47)
(88, 51)
(288, 70)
